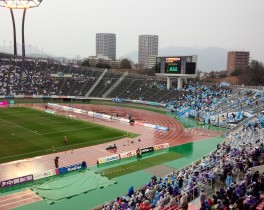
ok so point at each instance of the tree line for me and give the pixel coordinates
(125, 64)
(253, 74)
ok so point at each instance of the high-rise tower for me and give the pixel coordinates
(148, 47)
(106, 45)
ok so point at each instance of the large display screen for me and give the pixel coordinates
(190, 67)
(173, 65)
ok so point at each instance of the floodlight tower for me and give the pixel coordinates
(19, 4)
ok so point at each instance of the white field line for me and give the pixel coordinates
(9, 126)
(25, 111)
(46, 118)
(76, 129)
(20, 126)
(117, 137)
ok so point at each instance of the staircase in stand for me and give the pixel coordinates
(95, 84)
(115, 85)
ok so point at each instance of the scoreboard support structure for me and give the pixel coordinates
(169, 82)
(179, 84)
(181, 67)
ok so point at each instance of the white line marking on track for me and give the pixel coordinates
(36, 196)
(18, 196)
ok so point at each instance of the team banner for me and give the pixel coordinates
(105, 116)
(65, 108)
(54, 105)
(247, 114)
(235, 116)
(3, 103)
(69, 108)
(119, 100)
(90, 113)
(50, 111)
(124, 120)
(214, 120)
(139, 123)
(67, 169)
(161, 146)
(149, 125)
(131, 153)
(98, 114)
(44, 174)
(108, 159)
(231, 117)
(79, 111)
(147, 150)
(127, 154)
(147, 102)
(222, 119)
(15, 181)
(158, 127)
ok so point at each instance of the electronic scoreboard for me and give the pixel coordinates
(174, 65)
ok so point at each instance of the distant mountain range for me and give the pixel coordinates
(30, 51)
(209, 59)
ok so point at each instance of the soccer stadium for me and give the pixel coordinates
(184, 151)
(80, 137)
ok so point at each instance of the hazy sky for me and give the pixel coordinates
(68, 28)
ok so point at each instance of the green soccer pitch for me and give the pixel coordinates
(26, 132)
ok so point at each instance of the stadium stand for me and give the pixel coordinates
(105, 83)
(121, 90)
(228, 169)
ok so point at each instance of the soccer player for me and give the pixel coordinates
(65, 139)
(56, 162)
(138, 152)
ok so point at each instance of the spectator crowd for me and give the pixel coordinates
(227, 170)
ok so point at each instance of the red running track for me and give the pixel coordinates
(149, 137)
